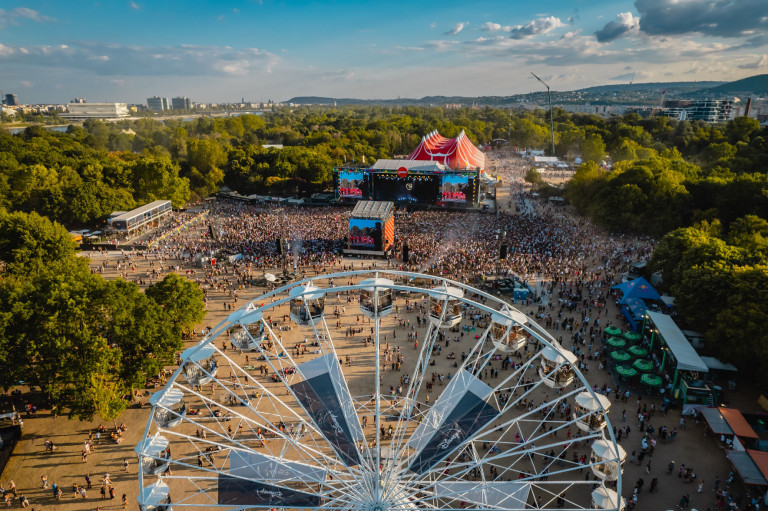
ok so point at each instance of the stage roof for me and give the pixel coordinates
(411, 165)
(457, 153)
(374, 210)
(686, 356)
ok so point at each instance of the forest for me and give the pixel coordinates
(700, 189)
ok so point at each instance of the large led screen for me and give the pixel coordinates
(457, 190)
(414, 189)
(365, 233)
(351, 185)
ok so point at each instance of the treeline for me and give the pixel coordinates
(82, 175)
(713, 172)
(719, 278)
(86, 342)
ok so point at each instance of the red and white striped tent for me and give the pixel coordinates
(455, 153)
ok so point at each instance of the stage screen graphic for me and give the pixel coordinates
(351, 184)
(365, 233)
(457, 190)
(416, 189)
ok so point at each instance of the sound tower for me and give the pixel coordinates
(405, 252)
(503, 253)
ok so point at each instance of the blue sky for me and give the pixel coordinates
(52, 51)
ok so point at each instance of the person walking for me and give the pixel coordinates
(125, 464)
(44, 480)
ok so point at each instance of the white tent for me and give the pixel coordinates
(686, 356)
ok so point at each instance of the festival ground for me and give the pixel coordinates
(66, 467)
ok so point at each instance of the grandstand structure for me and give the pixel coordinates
(130, 221)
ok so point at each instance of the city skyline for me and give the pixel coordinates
(260, 50)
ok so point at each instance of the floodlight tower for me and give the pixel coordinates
(551, 114)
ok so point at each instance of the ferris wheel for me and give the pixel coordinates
(379, 391)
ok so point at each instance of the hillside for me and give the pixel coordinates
(635, 93)
(757, 84)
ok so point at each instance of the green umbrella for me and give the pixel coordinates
(626, 371)
(620, 356)
(651, 379)
(616, 342)
(638, 351)
(643, 365)
(632, 336)
(613, 330)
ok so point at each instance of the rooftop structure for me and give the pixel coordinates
(81, 111)
(456, 153)
(139, 217)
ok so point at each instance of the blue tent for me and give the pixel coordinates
(638, 288)
(633, 309)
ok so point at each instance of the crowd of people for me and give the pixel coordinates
(571, 264)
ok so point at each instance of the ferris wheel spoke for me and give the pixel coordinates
(312, 453)
(490, 437)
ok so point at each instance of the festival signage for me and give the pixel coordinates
(320, 398)
(234, 491)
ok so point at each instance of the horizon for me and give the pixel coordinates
(260, 50)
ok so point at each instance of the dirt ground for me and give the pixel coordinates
(65, 467)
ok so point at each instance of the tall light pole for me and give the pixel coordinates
(551, 115)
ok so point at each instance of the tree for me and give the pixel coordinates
(533, 176)
(738, 332)
(593, 148)
(181, 299)
(29, 242)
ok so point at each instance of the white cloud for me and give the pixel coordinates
(13, 16)
(535, 27)
(494, 27)
(134, 5)
(760, 63)
(115, 59)
(625, 24)
(458, 28)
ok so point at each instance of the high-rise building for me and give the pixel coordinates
(11, 100)
(708, 110)
(78, 100)
(159, 104)
(181, 103)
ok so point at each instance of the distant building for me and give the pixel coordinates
(82, 111)
(181, 103)
(78, 100)
(708, 110)
(159, 104)
(11, 100)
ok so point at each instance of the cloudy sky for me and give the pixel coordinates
(52, 51)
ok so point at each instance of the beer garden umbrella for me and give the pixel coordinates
(643, 365)
(632, 336)
(616, 342)
(626, 371)
(651, 379)
(638, 351)
(613, 330)
(620, 356)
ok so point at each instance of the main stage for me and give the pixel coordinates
(440, 173)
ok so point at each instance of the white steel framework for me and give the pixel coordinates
(300, 427)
